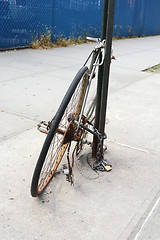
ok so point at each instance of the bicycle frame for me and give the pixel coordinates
(95, 57)
(70, 124)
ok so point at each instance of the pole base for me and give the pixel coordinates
(96, 165)
(103, 165)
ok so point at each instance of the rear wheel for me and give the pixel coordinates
(56, 142)
(87, 120)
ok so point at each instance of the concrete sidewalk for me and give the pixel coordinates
(123, 204)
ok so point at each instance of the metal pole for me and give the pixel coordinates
(106, 70)
(100, 77)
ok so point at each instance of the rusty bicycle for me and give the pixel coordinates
(72, 122)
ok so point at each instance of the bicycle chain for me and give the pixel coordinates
(100, 154)
(101, 163)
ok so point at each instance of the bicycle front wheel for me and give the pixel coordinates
(54, 146)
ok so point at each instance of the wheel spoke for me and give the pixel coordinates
(57, 148)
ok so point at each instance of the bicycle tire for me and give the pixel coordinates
(39, 182)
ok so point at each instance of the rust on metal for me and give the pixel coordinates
(69, 135)
(63, 149)
(60, 131)
(84, 86)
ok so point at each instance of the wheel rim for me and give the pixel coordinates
(56, 149)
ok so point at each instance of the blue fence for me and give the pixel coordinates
(22, 21)
(136, 18)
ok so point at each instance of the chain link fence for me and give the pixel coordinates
(23, 21)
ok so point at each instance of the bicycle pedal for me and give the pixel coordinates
(44, 127)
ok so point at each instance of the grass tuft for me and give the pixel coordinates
(154, 69)
(45, 42)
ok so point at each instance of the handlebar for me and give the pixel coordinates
(93, 39)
